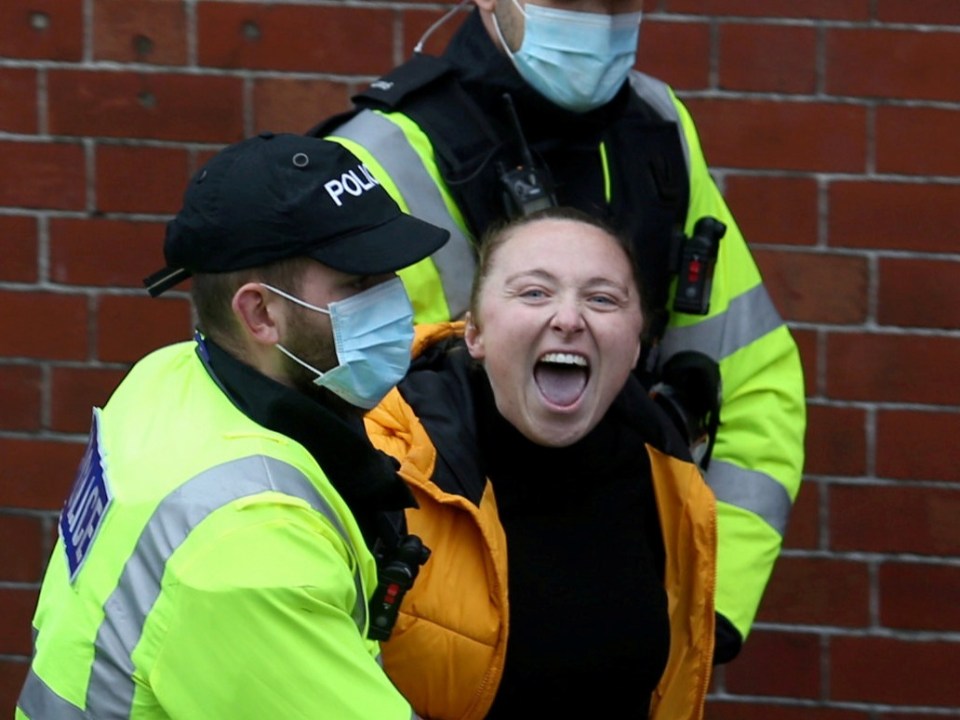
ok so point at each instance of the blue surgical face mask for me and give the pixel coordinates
(577, 60)
(373, 334)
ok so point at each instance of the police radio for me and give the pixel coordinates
(695, 260)
(395, 575)
(526, 187)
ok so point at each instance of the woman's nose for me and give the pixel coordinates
(568, 317)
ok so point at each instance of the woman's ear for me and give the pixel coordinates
(259, 319)
(473, 337)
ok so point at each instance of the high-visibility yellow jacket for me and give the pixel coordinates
(757, 461)
(447, 650)
(206, 568)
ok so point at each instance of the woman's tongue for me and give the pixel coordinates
(560, 384)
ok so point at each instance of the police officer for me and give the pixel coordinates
(214, 556)
(535, 102)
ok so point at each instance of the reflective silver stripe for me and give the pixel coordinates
(657, 93)
(456, 260)
(751, 490)
(111, 688)
(39, 701)
(748, 317)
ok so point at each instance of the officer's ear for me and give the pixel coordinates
(473, 337)
(259, 314)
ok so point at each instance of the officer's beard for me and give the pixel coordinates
(313, 343)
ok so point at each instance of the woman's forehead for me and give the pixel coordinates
(560, 242)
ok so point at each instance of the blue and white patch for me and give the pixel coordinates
(89, 500)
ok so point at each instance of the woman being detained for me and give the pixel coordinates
(573, 539)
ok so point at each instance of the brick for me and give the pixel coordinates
(822, 9)
(807, 342)
(37, 474)
(416, 22)
(41, 30)
(678, 53)
(16, 609)
(888, 670)
(915, 596)
(817, 591)
(295, 105)
(20, 388)
(12, 675)
(80, 248)
(928, 12)
(768, 58)
(836, 441)
(130, 327)
(893, 368)
(49, 175)
(75, 391)
(44, 325)
(919, 293)
(776, 663)
(18, 248)
(774, 210)
(275, 36)
(816, 288)
(893, 216)
(141, 179)
(18, 100)
(918, 140)
(141, 31)
(803, 531)
(766, 134)
(906, 64)
(732, 709)
(910, 445)
(894, 519)
(159, 106)
(777, 270)
(20, 543)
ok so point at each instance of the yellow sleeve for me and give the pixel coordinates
(758, 458)
(255, 621)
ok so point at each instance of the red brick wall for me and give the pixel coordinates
(833, 127)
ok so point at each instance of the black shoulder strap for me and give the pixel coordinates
(389, 91)
(426, 90)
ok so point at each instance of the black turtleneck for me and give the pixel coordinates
(365, 477)
(588, 610)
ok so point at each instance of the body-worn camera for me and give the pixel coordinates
(694, 262)
(395, 574)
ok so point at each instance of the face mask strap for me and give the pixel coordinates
(294, 299)
(302, 363)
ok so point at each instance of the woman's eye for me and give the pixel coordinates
(532, 293)
(605, 302)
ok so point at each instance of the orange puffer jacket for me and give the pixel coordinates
(447, 650)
